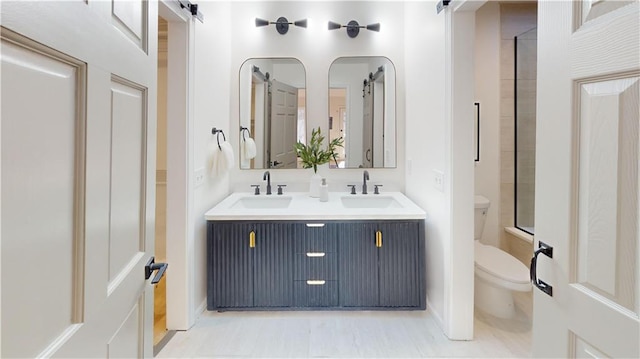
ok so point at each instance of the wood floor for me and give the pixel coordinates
(160, 312)
(356, 334)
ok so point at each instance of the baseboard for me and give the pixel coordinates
(167, 337)
(201, 308)
(436, 316)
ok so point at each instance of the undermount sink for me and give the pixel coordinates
(370, 202)
(263, 202)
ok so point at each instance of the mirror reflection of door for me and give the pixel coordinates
(367, 125)
(369, 104)
(373, 120)
(259, 85)
(378, 126)
(283, 125)
(272, 95)
(338, 121)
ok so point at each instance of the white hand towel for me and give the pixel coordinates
(229, 158)
(222, 158)
(249, 148)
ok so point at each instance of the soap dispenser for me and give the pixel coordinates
(324, 191)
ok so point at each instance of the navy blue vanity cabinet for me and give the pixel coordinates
(249, 265)
(354, 264)
(358, 262)
(381, 264)
(316, 265)
(273, 265)
(400, 271)
(229, 265)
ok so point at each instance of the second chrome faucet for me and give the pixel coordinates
(267, 177)
(365, 178)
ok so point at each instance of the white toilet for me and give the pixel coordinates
(497, 273)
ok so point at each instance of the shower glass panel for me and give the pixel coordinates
(525, 128)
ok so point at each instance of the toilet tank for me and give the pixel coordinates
(480, 215)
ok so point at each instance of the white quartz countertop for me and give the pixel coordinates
(300, 206)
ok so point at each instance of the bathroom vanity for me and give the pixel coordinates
(294, 252)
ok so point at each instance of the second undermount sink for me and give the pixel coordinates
(263, 202)
(370, 202)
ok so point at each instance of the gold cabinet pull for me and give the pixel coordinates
(378, 239)
(252, 239)
(316, 282)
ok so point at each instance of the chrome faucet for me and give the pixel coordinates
(267, 177)
(365, 177)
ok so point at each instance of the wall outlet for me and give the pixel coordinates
(438, 180)
(199, 177)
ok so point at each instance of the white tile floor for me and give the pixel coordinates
(348, 334)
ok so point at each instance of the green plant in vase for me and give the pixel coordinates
(312, 155)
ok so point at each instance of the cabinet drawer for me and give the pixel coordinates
(316, 265)
(315, 293)
(315, 237)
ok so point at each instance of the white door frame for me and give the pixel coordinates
(459, 273)
(180, 256)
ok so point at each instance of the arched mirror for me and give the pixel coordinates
(362, 110)
(272, 112)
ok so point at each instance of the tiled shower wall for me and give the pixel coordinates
(515, 19)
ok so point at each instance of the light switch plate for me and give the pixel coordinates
(199, 177)
(438, 180)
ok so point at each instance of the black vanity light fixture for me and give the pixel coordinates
(282, 24)
(353, 28)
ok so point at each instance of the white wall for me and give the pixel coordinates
(487, 92)
(439, 57)
(317, 48)
(212, 95)
(425, 144)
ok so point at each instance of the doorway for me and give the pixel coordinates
(174, 119)
(160, 290)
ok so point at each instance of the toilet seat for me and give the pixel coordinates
(498, 266)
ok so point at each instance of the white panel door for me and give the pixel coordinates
(78, 174)
(284, 125)
(367, 126)
(587, 183)
(378, 95)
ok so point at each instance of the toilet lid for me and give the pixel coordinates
(500, 264)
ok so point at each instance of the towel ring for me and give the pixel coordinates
(244, 131)
(217, 132)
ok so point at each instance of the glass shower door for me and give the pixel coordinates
(525, 129)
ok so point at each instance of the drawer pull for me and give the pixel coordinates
(315, 225)
(315, 282)
(315, 254)
(252, 239)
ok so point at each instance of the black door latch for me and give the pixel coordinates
(153, 266)
(547, 250)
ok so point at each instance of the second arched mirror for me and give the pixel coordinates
(362, 110)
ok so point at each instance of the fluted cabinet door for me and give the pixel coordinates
(399, 265)
(230, 266)
(358, 265)
(273, 265)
